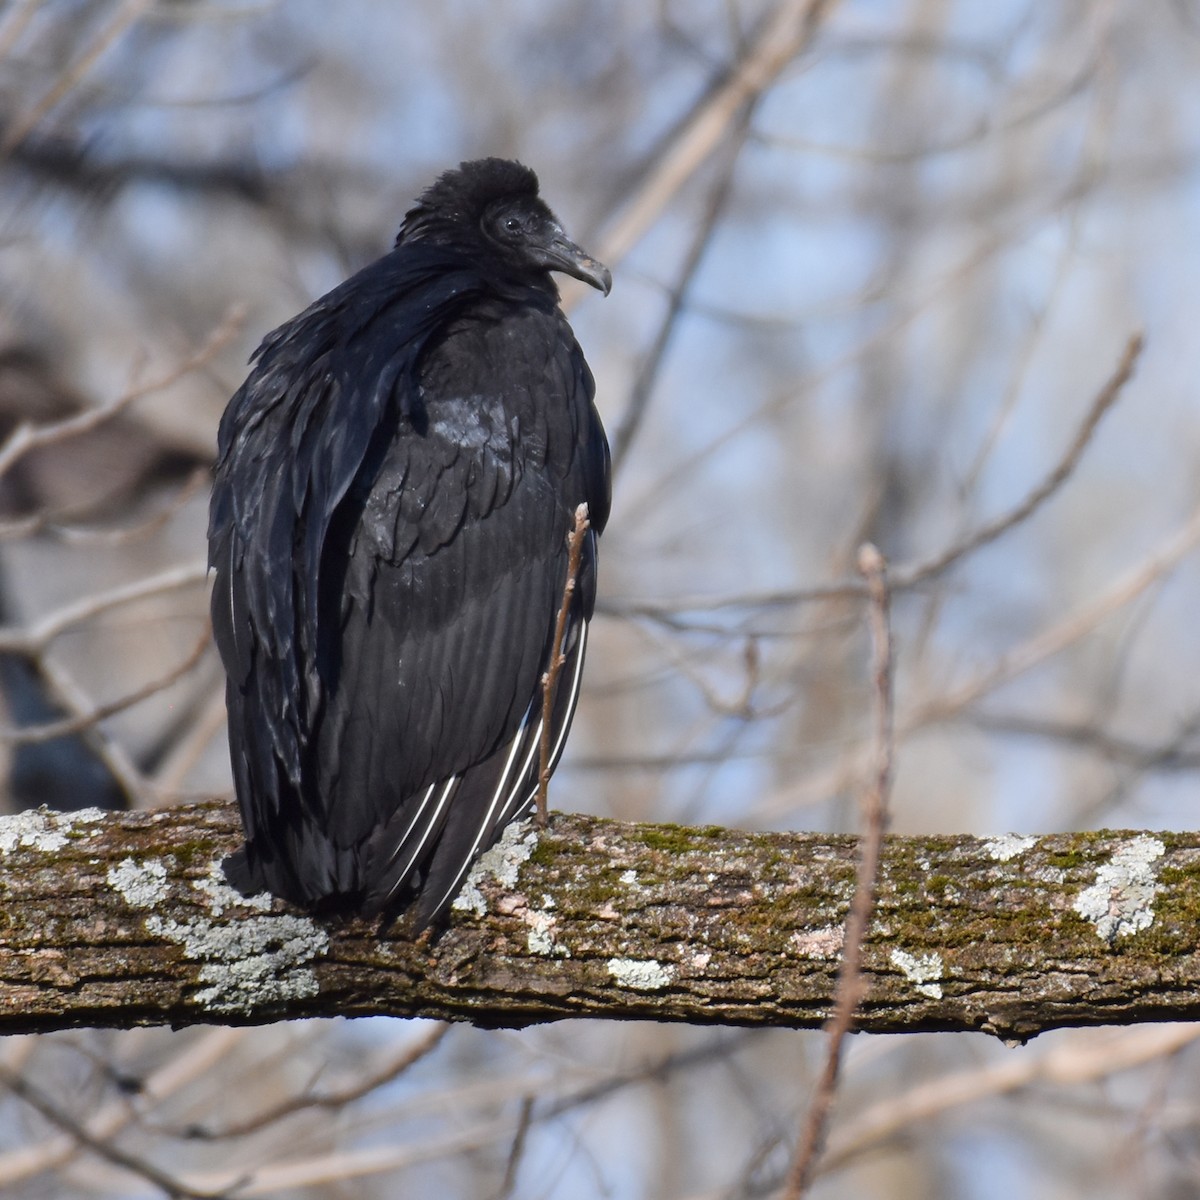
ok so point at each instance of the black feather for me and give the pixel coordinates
(395, 485)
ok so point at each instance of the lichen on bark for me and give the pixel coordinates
(124, 919)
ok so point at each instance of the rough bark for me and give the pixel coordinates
(124, 919)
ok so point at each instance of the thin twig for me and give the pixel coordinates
(1025, 356)
(686, 468)
(19, 17)
(41, 633)
(64, 525)
(197, 1059)
(908, 576)
(784, 34)
(1049, 642)
(336, 1097)
(1084, 1056)
(67, 692)
(517, 1151)
(49, 730)
(849, 985)
(666, 612)
(178, 762)
(28, 436)
(643, 385)
(1105, 398)
(70, 78)
(270, 1179)
(32, 1096)
(557, 659)
(1044, 645)
(1171, 754)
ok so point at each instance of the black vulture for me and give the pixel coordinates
(396, 483)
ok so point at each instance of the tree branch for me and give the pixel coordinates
(850, 990)
(123, 919)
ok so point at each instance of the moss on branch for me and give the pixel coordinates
(124, 919)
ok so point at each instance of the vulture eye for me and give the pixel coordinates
(509, 225)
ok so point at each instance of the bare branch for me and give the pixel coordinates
(874, 819)
(517, 1150)
(1010, 935)
(14, 27)
(357, 1163)
(63, 525)
(201, 1056)
(1089, 1056)
(101, 1147)
(93, 714)
(784, 34)
(187, 751)
(1037, 649)
(41, 633)
(335, 1098)
(910, 576)
(67, 692)
(28, 436)
(125, 16)
(643, 385)
(1171, 754)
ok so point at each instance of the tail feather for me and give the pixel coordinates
(480, 803)
(307, 870)
(240, 875)
(482, 808)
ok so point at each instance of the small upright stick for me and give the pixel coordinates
(557, 660)
(873, 568)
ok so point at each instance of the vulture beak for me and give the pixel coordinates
(559, 253)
